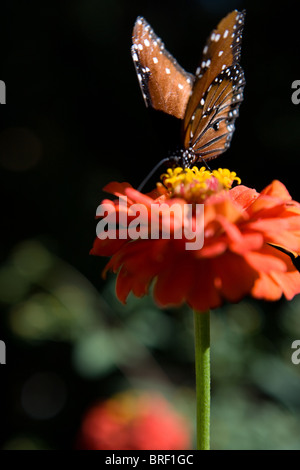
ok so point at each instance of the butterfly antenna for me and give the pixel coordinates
(152, 173)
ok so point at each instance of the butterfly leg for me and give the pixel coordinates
(200, 159)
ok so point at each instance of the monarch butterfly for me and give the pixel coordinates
(207, 102)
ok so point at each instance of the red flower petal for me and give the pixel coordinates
(278, 190)
(204, 293)
(236, 258)
(138, 197)
(265, 262)
(236, 276)
(243, 196)
(171, 287)
(266, 288)
(118, 189)
(289, 282)
(106, 247)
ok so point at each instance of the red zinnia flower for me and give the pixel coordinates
(134, 421)
(239, 257)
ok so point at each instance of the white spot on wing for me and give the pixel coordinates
(147, 43)
(225, 33)
(168, 71)
(155, 60)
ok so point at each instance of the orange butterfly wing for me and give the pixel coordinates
(208, 123)
(165, 85)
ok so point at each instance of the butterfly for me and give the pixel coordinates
(207, 102)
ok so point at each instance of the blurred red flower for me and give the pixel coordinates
(239, 257)
(134, 421)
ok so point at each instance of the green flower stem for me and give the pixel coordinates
(202, 366)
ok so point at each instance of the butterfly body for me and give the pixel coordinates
(207, 102)
(183, 157)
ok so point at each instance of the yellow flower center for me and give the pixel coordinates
(194, 184)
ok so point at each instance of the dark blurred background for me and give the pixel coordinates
(75, 120)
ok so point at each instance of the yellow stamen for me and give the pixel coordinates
(194, 183)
